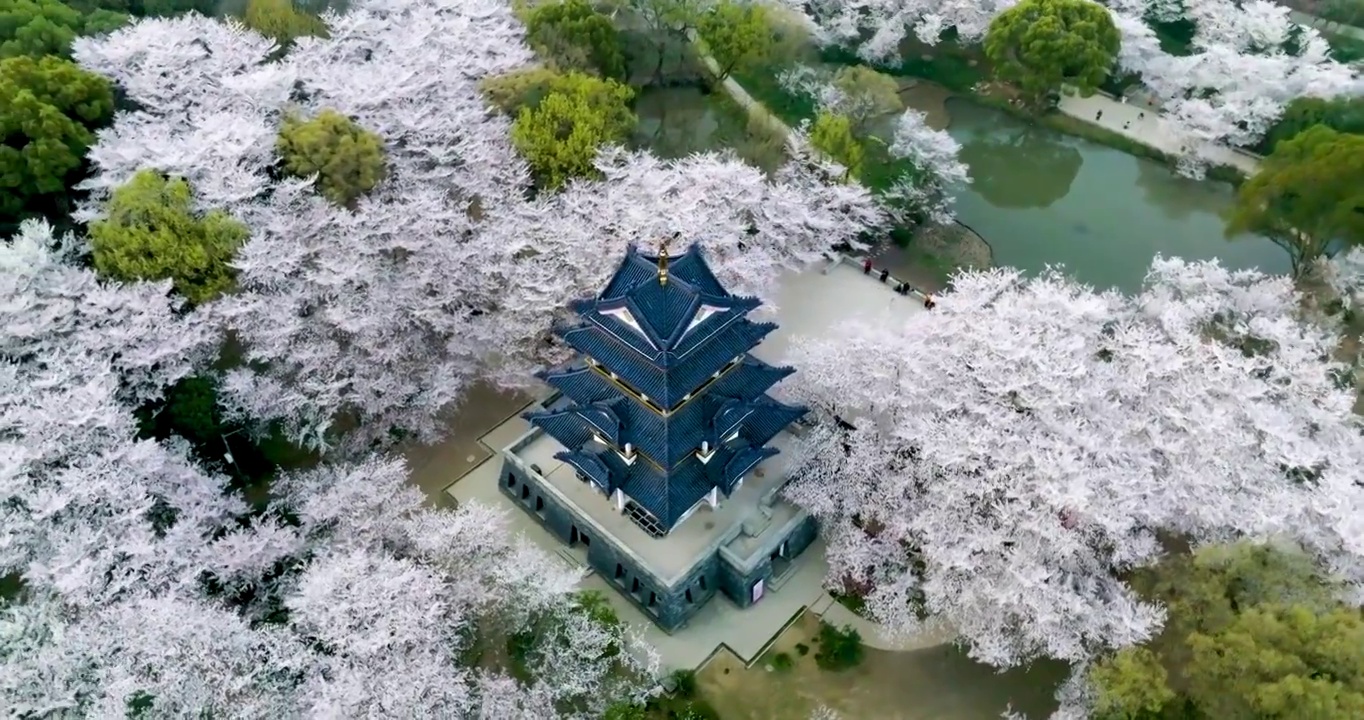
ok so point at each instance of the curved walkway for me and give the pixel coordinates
(1146, 126)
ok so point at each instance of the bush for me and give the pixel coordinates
(697, 710)
(839, 648)
(685, 681)
(802, 649)
(783, 661)
(347, 159)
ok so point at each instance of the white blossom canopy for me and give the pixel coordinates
(383, 314)
(1247, 61)
(1028, 438)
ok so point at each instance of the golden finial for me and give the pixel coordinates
(663, 260)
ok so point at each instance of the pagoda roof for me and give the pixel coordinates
(666, 386)
(710, 417)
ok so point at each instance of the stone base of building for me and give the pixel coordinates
(746, 561)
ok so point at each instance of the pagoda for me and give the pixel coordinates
(666, 410)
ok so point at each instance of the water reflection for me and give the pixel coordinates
(678, 121)
(1042, 199)
(1021, 167)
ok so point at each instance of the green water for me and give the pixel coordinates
(1040, 198)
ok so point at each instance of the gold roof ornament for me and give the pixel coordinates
(663, 259)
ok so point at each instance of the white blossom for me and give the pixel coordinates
(1028, 438)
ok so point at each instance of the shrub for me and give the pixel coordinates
(347, 159)
(839, 649)
(685, 682)
(783, 661)
(802, 649)
(151, 231)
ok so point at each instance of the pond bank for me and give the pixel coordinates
(950, 248)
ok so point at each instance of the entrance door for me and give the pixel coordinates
(758, 590)
(573, 535)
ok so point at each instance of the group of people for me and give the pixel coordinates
(900, 286)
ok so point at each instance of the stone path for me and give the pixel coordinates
(1144, 125)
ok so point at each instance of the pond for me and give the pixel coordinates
(675, 122)
(1040, 197)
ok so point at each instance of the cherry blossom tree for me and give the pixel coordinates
(1021, 445)
(750, 226)
(926, 189)
(447, 272)
(923, 192)
(1247, 61)
(396, 587)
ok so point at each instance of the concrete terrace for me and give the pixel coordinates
(695, 537)
(467, 467)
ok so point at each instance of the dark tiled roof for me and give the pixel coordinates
(651, 336)
(683, 374)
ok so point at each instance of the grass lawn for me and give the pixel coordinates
(932, 684)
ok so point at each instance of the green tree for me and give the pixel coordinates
(1281, 661)
(348, 160)
(1131, 685)
(523, 87)
(1042, 45)
(737, 34)
(572, 35)
(1307, 195)
(560, 136)
(279, 20)
(49, 108)
(832, 135)
(869, 93)
(1342, 114)
(151, 232)
(101, 22)
(1253, 631)
(37, 28)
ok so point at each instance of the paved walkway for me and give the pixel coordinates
(1144, 125)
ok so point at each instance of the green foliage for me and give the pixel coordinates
(523, 87)
(697, 709)
(348, 160)
(279, 20)
(783, 662)
(37, 28)
(572, 35)
(560, 136)
(145, 8)
(832, 135)
(102, 22)
(48, 110)
(1308, 193)
(1253, 632)
(1041, 45)
(1131, 685)
(151, 232)
(626, 710)
(871, 93)
(685, 681)
(1345, 12)
(802, 649)
(738, 34)
(191, 411)
(1280, 661)
(839, 649)
(1342, 114)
